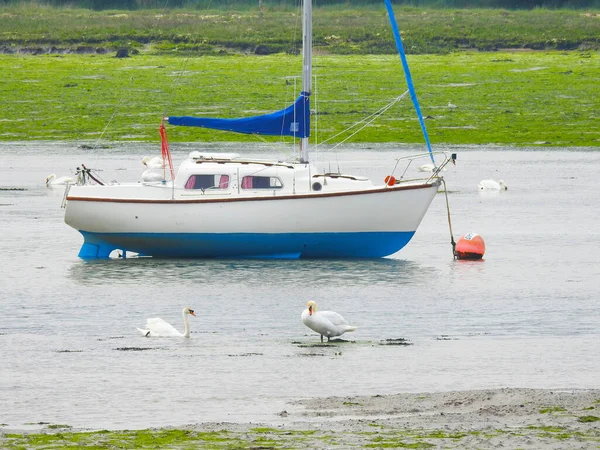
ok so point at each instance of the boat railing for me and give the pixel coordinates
(404, 163)
(84, 175)
(63, 204)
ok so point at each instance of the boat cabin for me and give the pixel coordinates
(228, 173)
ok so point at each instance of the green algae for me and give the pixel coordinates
(399, 444)
(548, 429)
(522, 99)
(396, 442)
(552, 409)
(118, 439)
(274, 438)
(58, 426)
(588, 419)
(559, 433)
(444, 435)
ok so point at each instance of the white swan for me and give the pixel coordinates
(149, 177)
(51, 180)
(492, 185)
(153, 162)
(428, 168)
(156, 327)
(326, 323)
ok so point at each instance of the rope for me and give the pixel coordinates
(366, 121)
(449, 219)
(87, 172)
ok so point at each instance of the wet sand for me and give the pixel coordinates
(498, 418)
(485, 419)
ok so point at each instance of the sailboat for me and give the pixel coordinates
(228, 205)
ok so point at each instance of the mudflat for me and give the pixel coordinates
(483, 419)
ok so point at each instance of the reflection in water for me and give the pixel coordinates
(155, 270)
(466, 267)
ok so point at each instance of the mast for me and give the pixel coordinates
(306, 64)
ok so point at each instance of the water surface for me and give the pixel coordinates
(526, 316)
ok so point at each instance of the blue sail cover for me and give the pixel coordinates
(291, 121)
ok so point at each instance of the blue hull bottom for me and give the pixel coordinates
(246, 245)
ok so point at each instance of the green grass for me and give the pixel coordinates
(337, 29)
(528, 98)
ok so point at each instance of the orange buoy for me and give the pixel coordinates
(390, 180)
(470, 246)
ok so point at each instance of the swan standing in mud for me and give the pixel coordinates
(326, 323)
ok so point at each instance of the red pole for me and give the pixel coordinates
(166, 153)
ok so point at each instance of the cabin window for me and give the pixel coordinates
(254, 182)
(212, 181)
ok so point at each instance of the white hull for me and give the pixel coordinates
(394, 210)
(370, 223)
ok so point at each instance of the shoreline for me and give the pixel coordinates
(490, 418)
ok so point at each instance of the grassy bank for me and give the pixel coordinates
(337, 30)
(522, 98)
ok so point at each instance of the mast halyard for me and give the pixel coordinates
(306, 64)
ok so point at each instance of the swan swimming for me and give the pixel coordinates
(492, 185)
(51, 180)
(326, 323)
(156, 327)
(155, 162)
(428, 168)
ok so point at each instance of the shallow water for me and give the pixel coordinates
(526, 316)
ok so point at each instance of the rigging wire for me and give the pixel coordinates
(286, 154)
(96, 144)
(364, 122)
(176, 84)
(316, 127)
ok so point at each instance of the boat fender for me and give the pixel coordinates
(317, 186)
(390, 180)
(470, 246)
